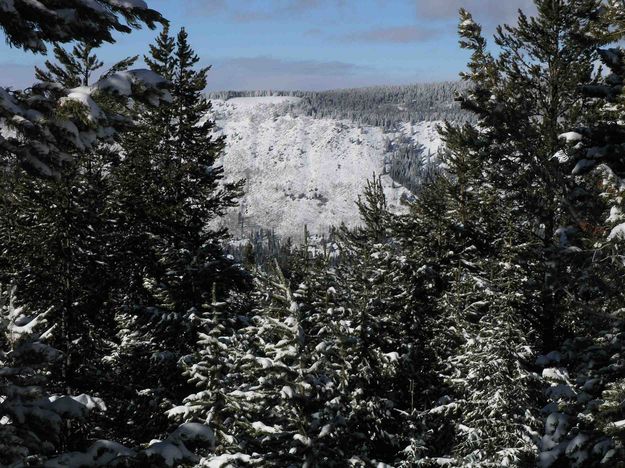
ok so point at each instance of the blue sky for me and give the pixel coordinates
(307, 44)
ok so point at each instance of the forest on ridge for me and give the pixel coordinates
(484, 327)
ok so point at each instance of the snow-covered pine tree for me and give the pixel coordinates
(33, 419)
(281, 403)
(545, 57)
(213, 373)
(513, 195)
(428, 243)
(167, 194)
(453, 237)
(51, 124)
(56, 239)
(478, 394)
(387, 372)
(493, 388)
(584, 418)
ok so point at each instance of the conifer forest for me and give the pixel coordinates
(481, 326)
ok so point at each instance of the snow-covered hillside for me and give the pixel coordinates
(300, 170)
(425, 134)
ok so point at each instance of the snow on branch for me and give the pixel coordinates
(50, 123)
(31, 24)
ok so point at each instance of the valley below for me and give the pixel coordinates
(306, 172)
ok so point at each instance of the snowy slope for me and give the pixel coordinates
(300, 170)
(424, 133)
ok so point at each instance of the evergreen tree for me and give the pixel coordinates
(169, 195)
(56, 239)
(52, 122)
(31, 427)
(584, 425)
(76, 68)
(281, 400)
(457, 238)
(57, 134)
(31, 27)
(385, 337)
(544, 57)
(494, 392)
(501, 256)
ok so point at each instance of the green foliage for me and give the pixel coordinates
(64, 21)
(412, 341)
(170, 263)
(76, 68)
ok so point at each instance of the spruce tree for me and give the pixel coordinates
(56, 238)
(387, 373)
(282, 400)
(169, 194)
(547, 58)
(503, 246)
(584, 425)
(31, 427)
(52, 122)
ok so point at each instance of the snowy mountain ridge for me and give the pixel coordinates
(302, 171)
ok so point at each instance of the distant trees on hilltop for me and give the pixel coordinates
(379, 106)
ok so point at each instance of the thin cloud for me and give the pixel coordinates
(17, 76)
(251, 16)
(300, 6)
(205, 7)
(487, 11)
(263, 72)
(396, 35)
(313, 32)
(252, 73)
(256, 10)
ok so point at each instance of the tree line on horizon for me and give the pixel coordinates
(388, 107)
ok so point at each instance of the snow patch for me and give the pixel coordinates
(571, 137)
(302, 171)
(618, 233)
